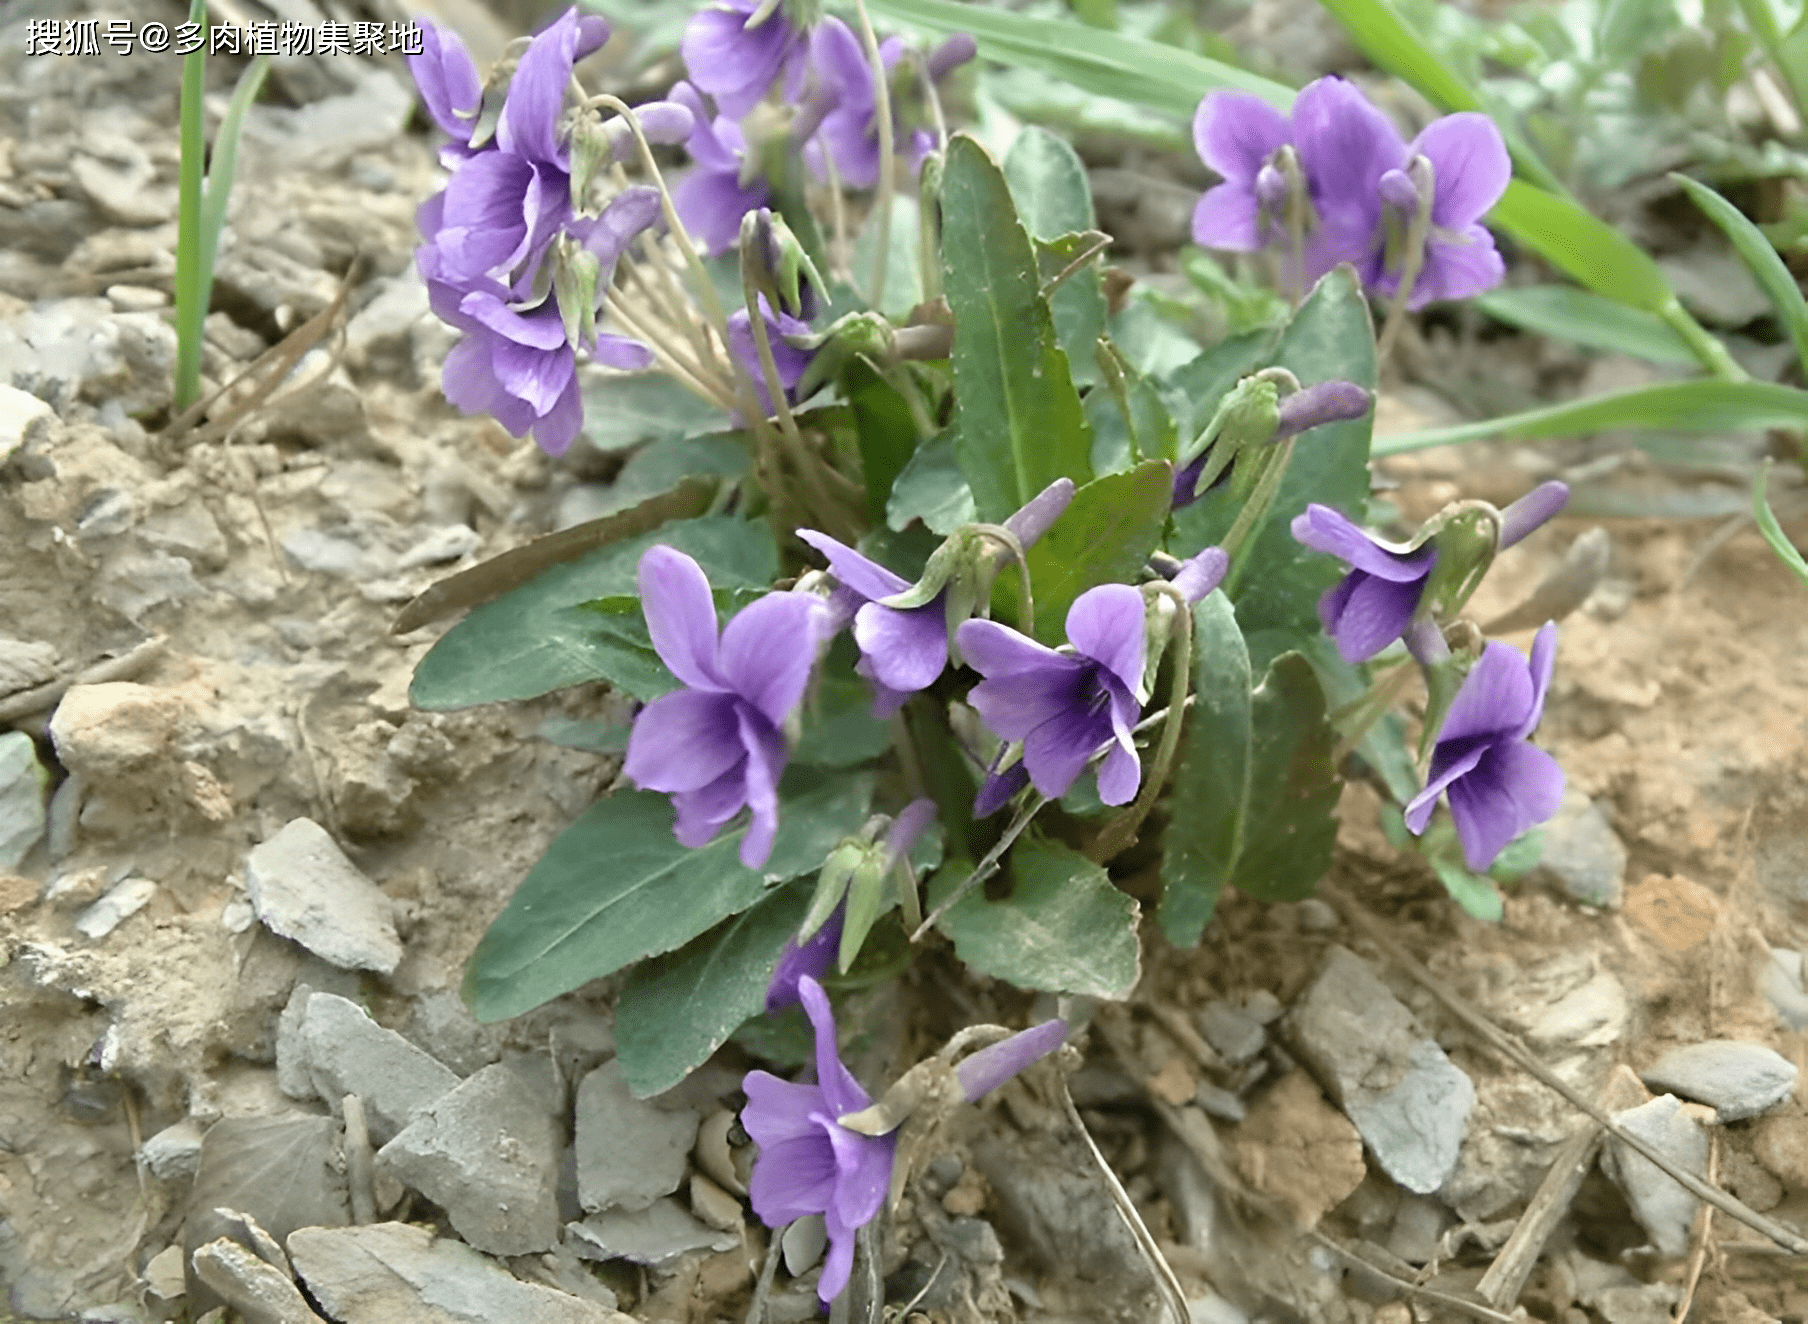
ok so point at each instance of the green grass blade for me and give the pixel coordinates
(1145, 73)
(1772, 531)
(191, 303)
(1760, 257)
(1704, 405)
(1582, 246)
(1761, 18)
(225, 162)
(1567, 313)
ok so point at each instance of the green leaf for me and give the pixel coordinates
(1707, 405)
(1103, 537)
(1157, 433)
(1144, 73)
(1589, 319)
(1018, 416)
(1475, 893)
(624, 409)
(616, 886)
(540, 638)
(1582, 246)
(1385, 39)
(887, 434)
(903, 280)
(932, 488)
(1048, 183)
(664, 464)
(677, 1009)
(1772, 531)
(1211, 787)
(1288, 824)
(839, 728)
(1774, 278)
(1277, 593)
(1064, 928)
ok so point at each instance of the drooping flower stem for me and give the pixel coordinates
(984, 869)
(888, 162)
(839, 248)
(1120, 832)
(1008, 542)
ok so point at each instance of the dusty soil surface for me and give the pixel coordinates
(222, 605)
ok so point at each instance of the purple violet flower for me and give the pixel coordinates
(718, 744)
(808, 1162)
(998, 788)
(990, 1067)
(1237, 135)
(1469, 170)
(848, 131)
(812, 958)
(736, 61)
(1369, 608)
(790, 361)
(713, 197)
(448, 82)
(1065, 708)
(1498, 784)
(903, 650)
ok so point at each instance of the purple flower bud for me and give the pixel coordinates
(593, 35)
(907, 828)
(447, 80)
(953, 52)
(990, 1067)
(999, 788)
(1398, 191)
(662, 122)
(1327, 402)
(1036, 516)
(1201, 574)
(1532, 510)
(809, 959)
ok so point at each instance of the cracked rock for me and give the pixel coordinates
(1736, 1079)
(303, 887)
(662, 1231)
(349, 1053)
(386, 1272)
(1408, 1100)
(1663, 1208)
(629, 1153)
(485, 1153)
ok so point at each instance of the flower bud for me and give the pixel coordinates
(1398, 191)
(1327, 402)
(1271, 190)
(1531, 510)
(953, 52)
(661, 122)
(1202, 573)
(986, 1070)
(1040, 512)
(777, 265)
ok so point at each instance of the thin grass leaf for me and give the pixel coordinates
(1145, 73)
(222, 168)
(191, 303)
(1705, 405)
(1772, 531)
(1582, 246)
(1760, 257)
(1761, 18)
(1586, 318)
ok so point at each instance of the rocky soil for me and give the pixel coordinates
(239, 875)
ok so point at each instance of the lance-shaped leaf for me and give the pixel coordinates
(677, 1009)
(1255, 792)
(1018, 417)
(1063, 929)
(541, 636)
(1776, 280)
(1103, 537)
(1048, 183)
(1568, 313)
(616, 886)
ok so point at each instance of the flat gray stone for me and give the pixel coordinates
(629, 1153)
(386, 1272)
(174, 1151)
(662, 1231)
(1660, 1204)
(1583, 854)
(120, 903)
(1736, 1079)
(303, 887)
(24, 419)
(485, 1153)
(1236, 1034)
(293, 1075)
(22, 783)
(1408, 1100)
(349, 1053)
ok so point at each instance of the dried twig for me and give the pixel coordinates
(1700, 1238)
(1506, 1277)
(756, 1309)
(1517, 1053)
(1430, 1295)
(358, 1175)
